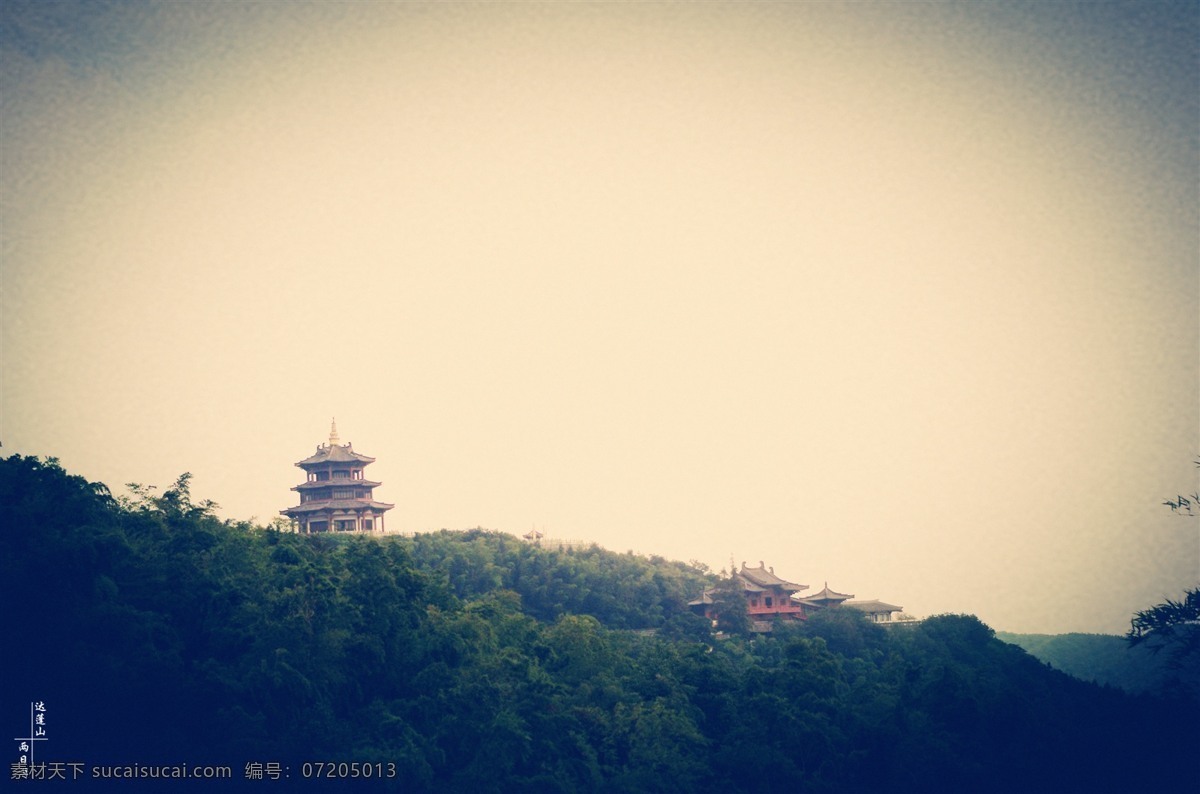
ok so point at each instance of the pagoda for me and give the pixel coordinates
(336, 497)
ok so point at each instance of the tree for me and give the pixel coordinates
(1174, 625)
(729, 603)
(846, 631)
(1182, 505)
(175, 502)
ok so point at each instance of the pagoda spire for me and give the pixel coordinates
(333, 434)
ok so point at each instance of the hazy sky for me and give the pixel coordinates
(903, 297)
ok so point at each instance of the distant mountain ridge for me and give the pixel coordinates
(1101, 658)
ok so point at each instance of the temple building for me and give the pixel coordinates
(335, 496)
(768, 597)
(877, 611)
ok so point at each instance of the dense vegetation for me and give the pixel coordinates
(475, 662)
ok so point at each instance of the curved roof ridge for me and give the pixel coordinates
(831, 595)
(335, 453)
(765, 577)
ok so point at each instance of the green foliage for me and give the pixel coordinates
(1175, 627)
(1169, 623)
(620, 590)
(729, 603)
(847, 631)
(475, 662)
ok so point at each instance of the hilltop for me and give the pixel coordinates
(471, 661)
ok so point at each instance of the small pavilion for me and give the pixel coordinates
(825, 598)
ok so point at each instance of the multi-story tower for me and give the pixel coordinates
(336, 497)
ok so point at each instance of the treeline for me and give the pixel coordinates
(622, 591)
(155, 632)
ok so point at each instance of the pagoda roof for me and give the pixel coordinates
(334, 453)
(762, 577)
(749, 586)
(826, 594)
(873, 605)
(311, 484)
(336, 504)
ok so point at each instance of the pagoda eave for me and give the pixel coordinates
(334, 455)
(342, 483)
(351, 505)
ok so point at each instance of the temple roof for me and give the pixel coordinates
(827, 595)
(334, 453)
(873, 606)
(754, 580)
(763, 577)
(336, 504)
(342, 483)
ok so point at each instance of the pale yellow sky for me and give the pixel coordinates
(900, 297)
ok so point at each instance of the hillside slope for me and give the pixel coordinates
(156, 633)
(1101, 658)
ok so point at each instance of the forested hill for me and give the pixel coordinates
(156, 633)
(1102, 658)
